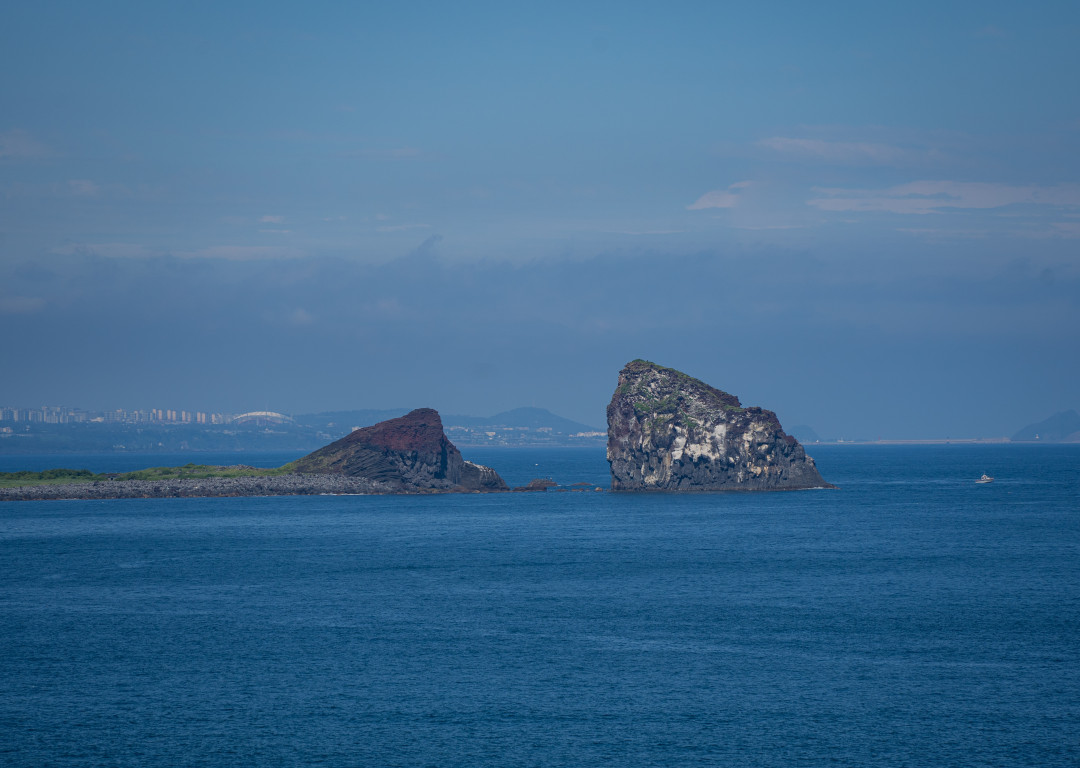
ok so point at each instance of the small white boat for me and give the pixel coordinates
(985, 479)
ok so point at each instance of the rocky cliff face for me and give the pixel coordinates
(670, 432)
(410, 453)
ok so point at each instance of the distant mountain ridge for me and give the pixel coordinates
(533, 418)
(528, 418)
(1063, 427)
(804, 434)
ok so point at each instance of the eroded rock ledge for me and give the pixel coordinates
(671, 432)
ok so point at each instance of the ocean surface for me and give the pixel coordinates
(911, 618)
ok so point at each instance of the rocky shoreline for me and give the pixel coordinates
(277, 485)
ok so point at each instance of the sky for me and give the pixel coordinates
(863, 216)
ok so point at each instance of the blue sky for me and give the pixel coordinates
(865, 218)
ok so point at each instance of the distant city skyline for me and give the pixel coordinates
(62, 414)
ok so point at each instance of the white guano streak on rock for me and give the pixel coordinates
(679, 443)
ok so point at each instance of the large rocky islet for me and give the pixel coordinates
(668, 431)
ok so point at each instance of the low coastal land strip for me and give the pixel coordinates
(179, 482)
(201, 480)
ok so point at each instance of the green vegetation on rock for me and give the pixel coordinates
(188, 471)
(47, 477)
(200, 472)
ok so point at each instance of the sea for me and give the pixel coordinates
(910, 618)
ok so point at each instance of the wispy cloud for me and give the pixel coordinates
(720, 198)
(83, 188)
(394, 153)
(300, 317)
(268, 219)
(19, 145)
(242, 253)
(768, 227)
(1067, 228)
(78, 188)
(108, 250)
(845, 152)
(20, 305)
(401, 227)
(643, 232)
(922, 197)
(222, 252)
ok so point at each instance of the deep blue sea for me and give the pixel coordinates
(911, 618)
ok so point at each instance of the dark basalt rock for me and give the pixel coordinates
(536, 484)
(410, 453)
(670, 432)
(477, 477)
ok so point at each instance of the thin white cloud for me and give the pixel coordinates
(276, 231)
(385, 307)
(242, 253)
(76, 188)
(108, 250)
(395, 153)
(224, 252)
(1067, 228)
(268, 219)
(19, 145)
(83, 188)
(21, 305)
(401, 227)
(300, 317)
(644, 232)
(923, 197)
(941, 233)
(768, 227)
(845, 152)
(720, 198)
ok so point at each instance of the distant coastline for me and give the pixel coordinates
(944, 441)
(920, 441)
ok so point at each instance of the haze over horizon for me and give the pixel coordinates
(866, 219)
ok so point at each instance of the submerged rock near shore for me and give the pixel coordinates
(671, 432)
(409, 453)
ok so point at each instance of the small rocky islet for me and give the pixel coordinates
(409, 454)
(666, 432)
